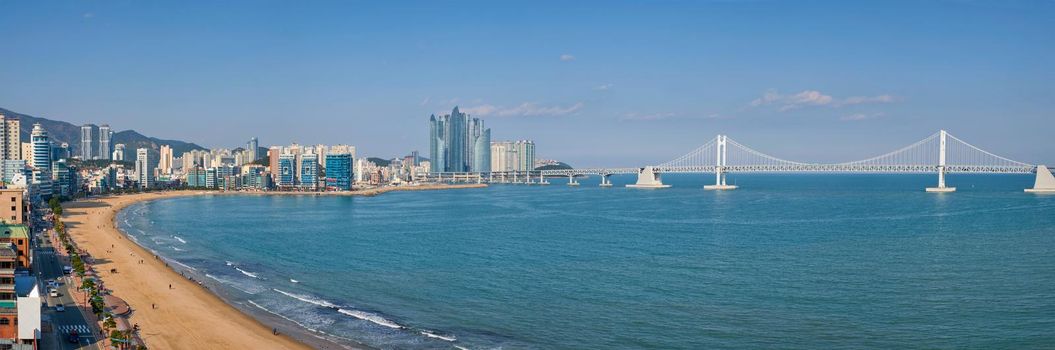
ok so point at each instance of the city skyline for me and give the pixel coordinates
(634, 84)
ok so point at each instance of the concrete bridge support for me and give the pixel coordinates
(606, 180)
(648, 177)
(941, 168)
(1045, 182)
(571, 181)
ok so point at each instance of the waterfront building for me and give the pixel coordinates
(272, 154)
(210, 178)
(453, 143)
(12, 206)
(196, 177)
(146, 162)
(165, 159)
(41, 160)
(309, 171)
(287, 175)
(339, 171)
(119, 152)
(513, 155)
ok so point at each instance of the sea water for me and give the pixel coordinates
(786, 261)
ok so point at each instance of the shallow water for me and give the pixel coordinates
(786, 261)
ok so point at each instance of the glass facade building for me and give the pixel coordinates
(339, 172)
(458, 143)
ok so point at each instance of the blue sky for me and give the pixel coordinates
(593, 83)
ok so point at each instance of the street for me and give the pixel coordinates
(48, 266)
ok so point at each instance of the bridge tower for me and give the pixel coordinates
(941, 167)
(721, 156)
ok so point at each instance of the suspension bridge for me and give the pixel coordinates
(939, 153)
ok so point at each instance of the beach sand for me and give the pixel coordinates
(187, 316)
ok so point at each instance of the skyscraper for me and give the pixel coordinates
(104, 142)
(146, 162)
(89, 141)
(41, 160)
(10, 142)
(250, 150)
(458, 143)
(165, 159)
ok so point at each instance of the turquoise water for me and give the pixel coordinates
(786, 261)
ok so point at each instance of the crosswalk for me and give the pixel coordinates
(81, 329)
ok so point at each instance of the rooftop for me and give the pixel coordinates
(9, 231)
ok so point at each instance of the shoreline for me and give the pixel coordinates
(188, 316)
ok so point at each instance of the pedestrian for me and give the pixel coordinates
(274, 331)
(170, 286)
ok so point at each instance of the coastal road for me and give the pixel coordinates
(47, 264)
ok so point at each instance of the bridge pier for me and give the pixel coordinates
(571, 181)
(648, 177)
(1045, 182)
(605, 180)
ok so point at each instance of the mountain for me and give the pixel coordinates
(61, 131)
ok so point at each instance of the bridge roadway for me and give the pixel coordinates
(800, 168)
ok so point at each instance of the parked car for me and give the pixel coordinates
(54, 293)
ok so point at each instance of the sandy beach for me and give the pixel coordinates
(187, 316)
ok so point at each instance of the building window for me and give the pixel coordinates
(4, 321)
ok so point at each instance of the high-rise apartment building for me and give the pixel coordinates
(513, 155)
(459, 143)
(119, 152)
(287, 173)
(104, 142)
(10, 138)
(309, 171)
(41, 160)
(146, 162)
(250, 150)
(165, 160)
(339, 171)
(89, 141)
(95, 141)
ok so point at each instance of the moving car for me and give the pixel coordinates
(73, 337)
(54, 293)
(60, 308)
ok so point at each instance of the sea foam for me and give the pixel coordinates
(308, 299)
(366, 316)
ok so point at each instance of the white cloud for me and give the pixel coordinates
(526, 109)
(856, 100)
(604, 87)
(808, 98)
(666, 116)
(567, 58)
(88, 15)
(861, 116)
